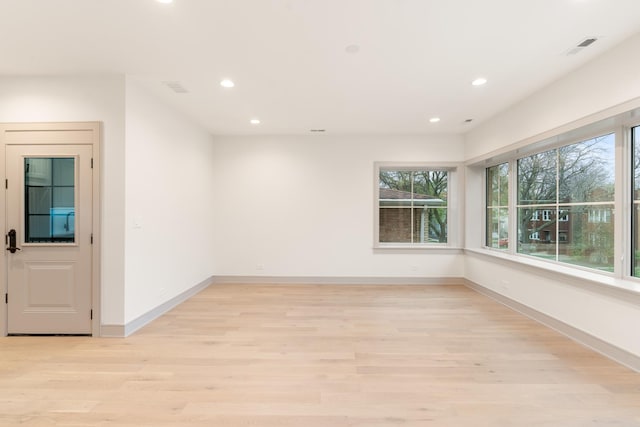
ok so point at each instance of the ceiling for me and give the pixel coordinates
(293, 61)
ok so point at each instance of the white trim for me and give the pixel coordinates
(610, 351)
(336, 280)
(454, 207)
(112, 331)
(599, 282)
(411, 248)
(129, 328)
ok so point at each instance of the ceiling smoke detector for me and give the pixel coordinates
(583, 44)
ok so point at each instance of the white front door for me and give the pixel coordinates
(49, 238)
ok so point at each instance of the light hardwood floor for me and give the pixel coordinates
(319, 356)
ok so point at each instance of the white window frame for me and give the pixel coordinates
(620, 121)
(455, 193)
(487, 208)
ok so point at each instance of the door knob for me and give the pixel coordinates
(12, 241)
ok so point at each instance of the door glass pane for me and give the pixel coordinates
(49, 200)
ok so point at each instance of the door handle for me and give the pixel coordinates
(12, 241)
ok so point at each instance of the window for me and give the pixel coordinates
(573, 188)
(497, 235)
(412, 205)
(563, 215)
(635, 214)
(49, 202)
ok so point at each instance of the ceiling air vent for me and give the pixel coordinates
(584, 43)
(176, 87)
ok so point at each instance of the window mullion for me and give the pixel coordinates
(513, 212)
(557, 207)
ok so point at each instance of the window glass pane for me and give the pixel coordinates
(497, 226)
(395, 224)
(63, 172)
(537, 232)
(63, 197)
(586, 171)
(38, 229)
(49, 200)
(636, 162)
(412, 206)
(37, 171)
(586, 237)
(636, 237)
(433, 222)
(636, 201)
(39, 200)
(537, 178)
(498, 185)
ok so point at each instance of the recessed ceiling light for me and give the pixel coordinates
(227, 83)
(479, 81)
(434, 119)
(254, 121)
(165, 1)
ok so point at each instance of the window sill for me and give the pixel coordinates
(598, 281)
(400, 248)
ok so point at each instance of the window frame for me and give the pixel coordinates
(454, 195)
(577, 137)
(621, 128)
(486, 209)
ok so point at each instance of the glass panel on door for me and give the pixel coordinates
(49, 185)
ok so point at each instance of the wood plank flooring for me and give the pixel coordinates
(319, 356)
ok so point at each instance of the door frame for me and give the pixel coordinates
(10, 135)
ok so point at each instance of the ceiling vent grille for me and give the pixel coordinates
(176, 87)
(587, 42)
(583, 44)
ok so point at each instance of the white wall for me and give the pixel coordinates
(603, 84)
(169, 203)
(611, 79)
(303, 206)
(75, 99)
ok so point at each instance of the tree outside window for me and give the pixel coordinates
(497, 232)
(412, 206)
(569, 186)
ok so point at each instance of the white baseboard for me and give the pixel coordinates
(336, 280)
(611, 351)
(151, 315)
(112, 331)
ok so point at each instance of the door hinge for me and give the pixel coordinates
(6, 184)
(92, 163)
(92, 238)
(91, 314)
(6, 298)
